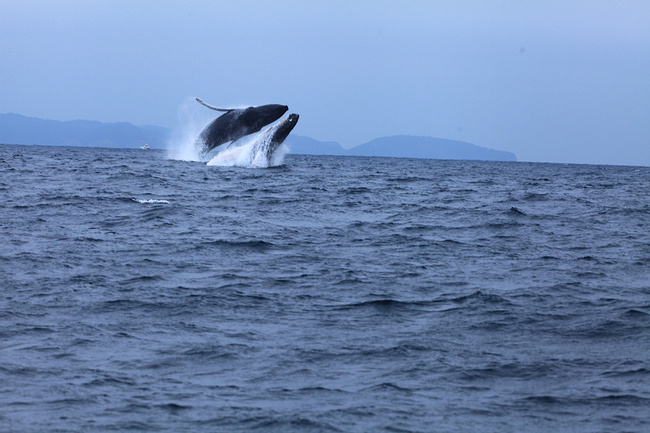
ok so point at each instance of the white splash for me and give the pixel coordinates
(192, 119)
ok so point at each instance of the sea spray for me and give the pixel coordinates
(192, 119)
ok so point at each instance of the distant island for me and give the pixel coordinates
(18, 129)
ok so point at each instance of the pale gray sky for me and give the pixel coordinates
(556, 81)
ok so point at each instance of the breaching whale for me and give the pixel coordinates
(236, 123)
(269, 141)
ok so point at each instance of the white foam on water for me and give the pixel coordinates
(151, 201)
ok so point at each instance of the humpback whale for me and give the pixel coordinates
(236, 123)
(268, 142)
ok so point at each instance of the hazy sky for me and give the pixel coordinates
(557, 81)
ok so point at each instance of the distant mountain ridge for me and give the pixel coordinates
(401, 146)
(19, 129)
(408, 146)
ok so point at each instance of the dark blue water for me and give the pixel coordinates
(328, 294)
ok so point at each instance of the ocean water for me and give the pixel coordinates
(327, 294)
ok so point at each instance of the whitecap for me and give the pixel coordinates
(151, 201)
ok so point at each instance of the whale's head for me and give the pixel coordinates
(258, 117)
(284, 128)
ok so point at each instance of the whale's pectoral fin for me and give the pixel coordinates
(214, 108)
